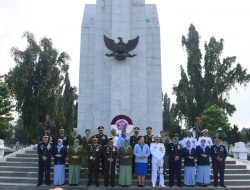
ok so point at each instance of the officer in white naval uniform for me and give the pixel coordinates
(157, 150)
(189, 138)
(209, 141)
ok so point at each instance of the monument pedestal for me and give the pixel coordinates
(109, 88)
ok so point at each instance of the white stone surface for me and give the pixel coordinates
(107, 87)
(240, 151)
(1, 148)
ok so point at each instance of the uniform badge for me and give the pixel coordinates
(113, 149)
(103, 137)
(221, 149)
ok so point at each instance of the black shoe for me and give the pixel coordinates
(170, 185)
(223, 186)
(89, 184)
(97, 184)
(216, 185)
(180, 185)
(106, 185)
(48, 184)
(39, 184)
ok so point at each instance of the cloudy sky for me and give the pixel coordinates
(60, 20)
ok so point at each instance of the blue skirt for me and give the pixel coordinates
(141, 169)
(203, 174)
(189, 175)
(59, 174)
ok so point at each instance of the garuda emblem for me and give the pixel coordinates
(120, 49)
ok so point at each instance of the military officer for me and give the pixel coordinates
(62, 136)
(133, 141)
(86, 140)
(174, 152)
(102, 140)
(94, 152)
(44, 153)
(148, 140)
(148, 137)
(218, 154)
(110, 155)
(164, 138)
(157, 150)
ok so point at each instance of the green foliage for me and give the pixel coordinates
(6, 129)
(233, 135)
(196, 92)
(170, 123)
(36, 82)
(216, 121)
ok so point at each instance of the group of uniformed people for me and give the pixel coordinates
(137, 155)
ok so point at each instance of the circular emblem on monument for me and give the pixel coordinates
(122, 122)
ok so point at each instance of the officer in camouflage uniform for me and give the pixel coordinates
(110, 155)
(94, 152)
(102, 140)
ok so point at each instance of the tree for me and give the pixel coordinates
(216, 121)
(36, 82)
(196, 92)
(6, 129)
(170, 122)
(233, 135)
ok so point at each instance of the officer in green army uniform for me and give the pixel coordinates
(86, 140)
(165, 140)
(94, 152)
(110, 155)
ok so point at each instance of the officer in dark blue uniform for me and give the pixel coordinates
(62, 136)
(174, 152)
(218, 154)
(44, 153)
(102, 140)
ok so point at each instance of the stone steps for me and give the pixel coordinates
(28, 162)
(20, 172)
(33, 180)
(34, 175)
(25, 186)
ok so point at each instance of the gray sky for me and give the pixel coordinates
(61, 20)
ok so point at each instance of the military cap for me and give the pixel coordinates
(110, 139)
(204, 130)
(149, 128)
(176, 135)
(61, 129)
(217, 137)
(87, 130)
(136, 129)
(156, 137)
(45, 135)
(94, 138)
(100, 128)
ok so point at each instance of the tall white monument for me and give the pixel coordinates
(126, 93)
